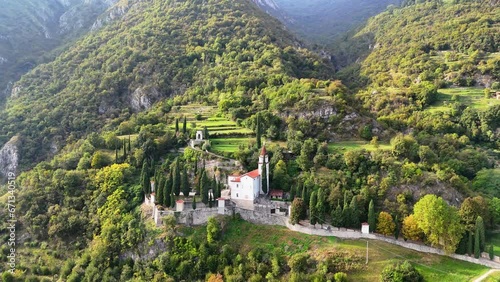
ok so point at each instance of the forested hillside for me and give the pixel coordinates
(30, 30)
(159, 50)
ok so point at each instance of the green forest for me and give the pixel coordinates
(399, 129)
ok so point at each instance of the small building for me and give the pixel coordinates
(276, 194)
(179, 205)
(365, 228)
(198, 139)
(221, 205)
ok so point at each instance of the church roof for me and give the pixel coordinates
(236, 179)
(253, 173)
(263, 152)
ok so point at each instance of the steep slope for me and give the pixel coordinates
(322, 21)
(29, 29)
(411, 52)
(159, 49)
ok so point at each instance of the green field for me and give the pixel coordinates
(246, 236)
(356, 145)
(494, 277)
(229, 145)
(470, 96)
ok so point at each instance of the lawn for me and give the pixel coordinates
(470, 96)
(494, 277)
(246, 236)
(228, 144)
(356, 145)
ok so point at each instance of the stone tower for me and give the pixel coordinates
(264, 160)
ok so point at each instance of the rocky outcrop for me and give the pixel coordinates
(9, 156)
(143, 99)
(113, 13)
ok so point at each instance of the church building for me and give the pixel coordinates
(249, 185)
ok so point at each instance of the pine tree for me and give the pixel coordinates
(176, 125)
(258, 131)
(145, 178)
(204, 185)
(184, 125)
(185, 183)
(176, 184)
(194, 202)
(313, 217)
(372, 218)
(264, 179)
(168, 190)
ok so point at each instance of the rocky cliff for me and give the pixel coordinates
(9, 156)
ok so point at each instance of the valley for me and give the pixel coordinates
(127, 122)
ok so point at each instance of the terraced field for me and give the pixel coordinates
(470, 96)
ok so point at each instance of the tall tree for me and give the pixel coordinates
(184, 125)
(297, 212)
(411, 230)
(439, 222)
(145, 178)
(172, 200)
(176, 125)
(159, 193)
(320, 207)
(204, 186)
(185, 183)
(258, 132)
(176, 181)
(354, 213)
(168, 190)
(480, 229)
(129, 145)
(337, 220)
(477, 246)
(194, 202)
(469, 243)
(372, 219)
(385, 224)
(206, 135)
(313, 217)
(264, 179)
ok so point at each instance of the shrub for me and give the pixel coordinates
(340, 277)
(401, 272)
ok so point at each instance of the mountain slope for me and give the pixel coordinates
(159, 49)
(29, 29)
(322, 21)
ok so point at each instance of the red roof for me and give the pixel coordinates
(276, 193)
(179, 201)
(263, 152)
(152, 194)
(253, 173)
(237, 179)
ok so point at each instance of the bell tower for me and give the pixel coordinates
(264, 160)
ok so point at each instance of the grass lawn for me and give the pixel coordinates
(471, 96)
(228, 144)
(246, 236)
(356, 145)
(494, 277)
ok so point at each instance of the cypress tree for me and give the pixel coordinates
(258, 131)
(469, 244)
(345, 200)
(491, 253)
(159, 191)
(185, 183)
(305, 194)
(372, 218)
(116, 156)
(194, 202)
(176, 125)
(172, 200)
(337, 216)
(320, 207)
(204, 185)
(168, 190)
(215, 193)
(129, 146)
(292, 192)
(176, 184)
(482, 237)
(184, 126)
(210, 201)
(145, 181)
(477, 248)
(398, 227)
(313, 217)
(354, 213)
(124, 149)
(264, 179)
(205, 134)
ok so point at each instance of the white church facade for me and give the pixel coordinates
(249, 185)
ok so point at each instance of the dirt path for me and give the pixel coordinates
(484, 276)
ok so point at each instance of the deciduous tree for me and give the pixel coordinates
(385, 225)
